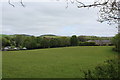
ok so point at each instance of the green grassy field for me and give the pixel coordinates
(0, 64)
(53, 63)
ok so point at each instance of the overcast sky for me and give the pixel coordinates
(39, 18)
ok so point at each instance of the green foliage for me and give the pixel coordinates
(38, 42)
(30, 43)
(64, 41)
(116, 41)
(45, 42)
(19, 40)
(54, 42)
(0, 42)
(74, 40)
(96, 38)
(5, 42)
(82, 38)
(110, 69)
(87, 44)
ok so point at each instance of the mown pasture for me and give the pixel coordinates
(67, 62)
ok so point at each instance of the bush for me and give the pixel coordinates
(116, 42)
(110, 44)
(87, 44)
(108, 70)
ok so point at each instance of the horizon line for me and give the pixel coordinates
(56, 35)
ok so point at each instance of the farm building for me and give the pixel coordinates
(101, 42)
(9, 48)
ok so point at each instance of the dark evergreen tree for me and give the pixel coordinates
(74, 40)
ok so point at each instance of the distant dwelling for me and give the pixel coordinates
(15, 48)
(9, 48)
(101, 42)
(24, 48)
(6, 48)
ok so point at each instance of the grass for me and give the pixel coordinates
(53, 63)
(0, 64)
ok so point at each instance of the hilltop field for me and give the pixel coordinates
(65, 62)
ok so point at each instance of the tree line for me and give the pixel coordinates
(32, 42)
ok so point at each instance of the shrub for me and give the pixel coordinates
(87, 44)
(116, 42)
(108, 70)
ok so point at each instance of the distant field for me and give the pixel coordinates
(53, 36)
(54, 63)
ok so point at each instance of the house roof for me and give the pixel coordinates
(99, 41)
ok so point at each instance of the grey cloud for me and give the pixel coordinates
(52, 17)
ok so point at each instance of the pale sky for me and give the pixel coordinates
(39, 18)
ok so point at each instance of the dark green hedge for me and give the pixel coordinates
(87, 44)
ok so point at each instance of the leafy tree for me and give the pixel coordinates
(74, 40)
(116, 41)
(0, 42)
(19, 40)
(12, 41)
(54, 42)
(64, 41)
(45, 42)
(30, 43)
(38, 41)
(5, 42)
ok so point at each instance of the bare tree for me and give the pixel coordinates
(21, 2)
(109, 10)
(119, 18)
